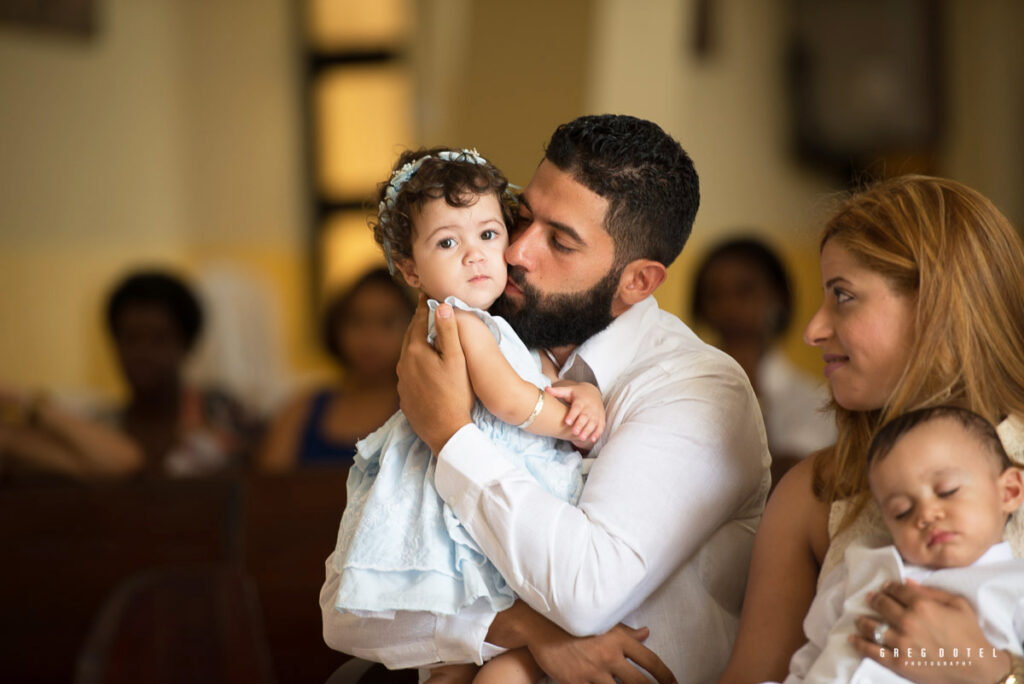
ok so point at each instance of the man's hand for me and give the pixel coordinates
(603, 659)
(433, 385)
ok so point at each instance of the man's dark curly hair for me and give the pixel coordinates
(648, 179)
(162, 290)
(460, 182)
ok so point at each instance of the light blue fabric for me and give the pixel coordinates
(399, 546)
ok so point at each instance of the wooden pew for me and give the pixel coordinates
(290, 526)
(71, 550)
(65, 547)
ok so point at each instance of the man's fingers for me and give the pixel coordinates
(447, 342)
(648, 660)
(627, 673)
(417, 329)
(644, 657)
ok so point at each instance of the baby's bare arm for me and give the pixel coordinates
(499, 387)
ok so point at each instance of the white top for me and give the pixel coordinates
(994, 585)
(794, 407)
(661, 536)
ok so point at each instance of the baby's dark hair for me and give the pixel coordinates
(460, 179)
(977, 426)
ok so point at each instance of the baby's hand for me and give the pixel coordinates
(586, 410)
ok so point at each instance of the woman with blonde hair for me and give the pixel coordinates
(923, 305)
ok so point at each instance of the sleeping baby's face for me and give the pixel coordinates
(944, 496)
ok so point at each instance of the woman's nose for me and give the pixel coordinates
(818, 328)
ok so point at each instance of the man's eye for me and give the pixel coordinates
(446, 243)
(559, 247)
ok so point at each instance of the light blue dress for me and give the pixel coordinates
(399, 545)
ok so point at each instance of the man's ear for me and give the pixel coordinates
(408, 269)
(639, 280)
(1011, 488)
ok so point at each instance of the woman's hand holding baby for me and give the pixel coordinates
(922, 620)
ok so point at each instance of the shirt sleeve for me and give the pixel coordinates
(676, 467)
(410, 638)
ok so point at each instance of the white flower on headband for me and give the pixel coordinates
(401, 176)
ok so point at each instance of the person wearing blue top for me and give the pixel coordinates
(363, 328)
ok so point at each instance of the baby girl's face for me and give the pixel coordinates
(943, 496)
(459, 251)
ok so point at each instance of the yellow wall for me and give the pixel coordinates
(727, 109)
(173, 136)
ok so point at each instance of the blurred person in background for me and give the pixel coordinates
(38, 435)
(155, 319)
(363, 331)
(742, 293)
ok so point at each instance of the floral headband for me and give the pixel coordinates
(401, 176)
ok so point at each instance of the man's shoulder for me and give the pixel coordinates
(671, 345)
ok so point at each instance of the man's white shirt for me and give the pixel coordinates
(661, 536)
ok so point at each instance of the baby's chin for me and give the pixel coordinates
(949, 556)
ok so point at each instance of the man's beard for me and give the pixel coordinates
(558, 320)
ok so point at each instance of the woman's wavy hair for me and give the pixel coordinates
(947, 246)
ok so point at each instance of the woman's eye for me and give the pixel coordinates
(446, 243)
(841, 295)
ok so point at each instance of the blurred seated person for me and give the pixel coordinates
(742, 293)
(155, 319)
(363, 330)
(41, 436)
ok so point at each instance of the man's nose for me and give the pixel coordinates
(522, 248)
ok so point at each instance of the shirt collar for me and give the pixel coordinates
(610, 351)
(997, 553)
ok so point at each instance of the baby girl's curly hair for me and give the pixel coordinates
(459, 176)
